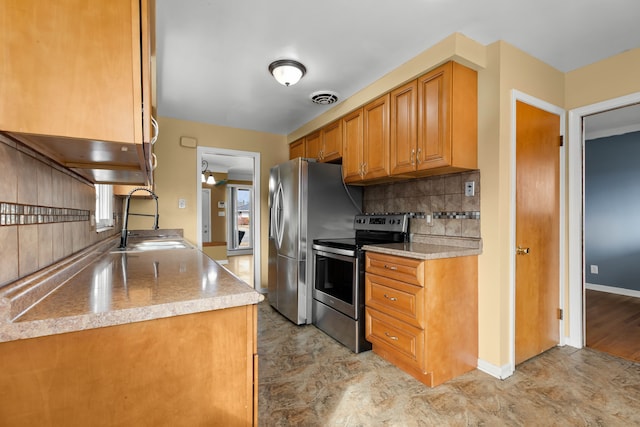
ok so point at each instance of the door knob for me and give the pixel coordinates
(522, 251)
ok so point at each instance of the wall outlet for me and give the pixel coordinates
(470, 188)
(182, 203)
(594, 269)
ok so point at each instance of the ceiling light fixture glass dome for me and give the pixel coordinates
(287, 71)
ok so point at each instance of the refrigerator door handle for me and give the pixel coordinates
(278, 215)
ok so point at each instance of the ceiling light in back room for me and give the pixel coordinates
(287, 71)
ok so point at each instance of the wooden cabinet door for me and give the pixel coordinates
(313, 144)
(74, 70)
(352, 138)
(403, 129)
(376, 138)
(434, 142)
(296, 149)
(332, 141)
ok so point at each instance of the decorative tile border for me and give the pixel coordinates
(17, 214)
(457, 215)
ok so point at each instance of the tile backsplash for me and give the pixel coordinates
(46, 212)
(442, 199)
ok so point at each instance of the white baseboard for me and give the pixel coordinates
(612, 290)
(500, 372)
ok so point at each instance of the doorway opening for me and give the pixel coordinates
(234, 209)
(577, 264)
(611, 237)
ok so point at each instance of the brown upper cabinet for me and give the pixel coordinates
(332, 141)
(76, 83)
(366, 142)
(353, 141)
(297, 149)
(434, 122)
(313, 145)
(325, 145)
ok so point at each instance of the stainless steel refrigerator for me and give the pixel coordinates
(307, 201)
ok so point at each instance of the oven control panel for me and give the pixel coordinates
(382, 222)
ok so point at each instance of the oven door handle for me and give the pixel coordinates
(333, 252)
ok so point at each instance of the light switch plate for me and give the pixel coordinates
(182, 203)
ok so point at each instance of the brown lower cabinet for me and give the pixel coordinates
(195, 369)
(422, 315)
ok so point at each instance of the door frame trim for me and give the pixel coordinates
(575, 143)
(257, 284)
(546, 106)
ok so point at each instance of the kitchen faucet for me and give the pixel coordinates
(124, 234)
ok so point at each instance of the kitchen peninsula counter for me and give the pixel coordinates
(427, 247)
(124, 287)
(142, 337)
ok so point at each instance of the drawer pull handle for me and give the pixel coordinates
(390, 298)
(390, 267)
(391, 337)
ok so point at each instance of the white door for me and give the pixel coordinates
(206, 215)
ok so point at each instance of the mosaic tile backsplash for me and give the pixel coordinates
(442, 198)
(15, 214)
(45, 212)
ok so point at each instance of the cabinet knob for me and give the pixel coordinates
(390, 298)
(522, 251)
(418, 156)
(412, 159)
(390, 267)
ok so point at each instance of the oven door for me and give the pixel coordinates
(336, 280)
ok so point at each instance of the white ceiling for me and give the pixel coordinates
(212, 55)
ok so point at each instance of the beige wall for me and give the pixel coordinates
(177, 175)
(607, 79)
(509, 69)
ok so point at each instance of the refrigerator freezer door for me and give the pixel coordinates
(288, 290)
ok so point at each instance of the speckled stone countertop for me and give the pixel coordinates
(428, 247)
(114, 288)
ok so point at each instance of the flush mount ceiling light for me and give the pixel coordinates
(287, 71)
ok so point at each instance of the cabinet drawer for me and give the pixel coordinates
(400, 300)
(402, 340)
(399, 268)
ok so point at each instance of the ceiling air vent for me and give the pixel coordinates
(324, 97)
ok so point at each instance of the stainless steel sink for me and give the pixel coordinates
(154, 245)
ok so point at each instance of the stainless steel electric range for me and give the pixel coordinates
(338, 292)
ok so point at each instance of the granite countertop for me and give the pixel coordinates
(115, 287)
(427, 247)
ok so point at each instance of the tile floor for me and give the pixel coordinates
(308, 379)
